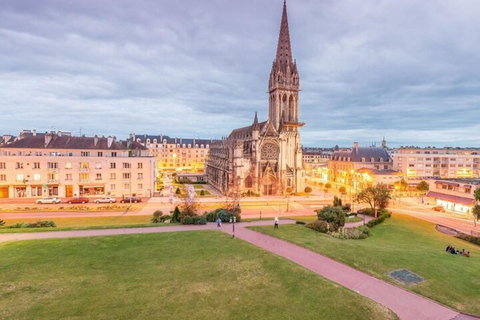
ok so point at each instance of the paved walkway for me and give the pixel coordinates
(405, 304)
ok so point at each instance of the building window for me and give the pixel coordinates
(52, 165)
(99, 176)
(19, 165)
(113, 176)
(36, 165)
(126, 165)
(100, 153)
(3, 177)
(112, 187)
(3, 165)
(140, 186)
(83, 176)
(98, 165)
(126, 186)
(84, 165)
(68, 165)
(140, 176)
(114, 154)
(68, 176)
(85, 153)
(20, 177)
(36, 177)
(140, 165)
(113, 165)
(126, 176)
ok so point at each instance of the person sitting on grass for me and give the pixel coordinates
(466, 254)
(452, 250)
(449, 248)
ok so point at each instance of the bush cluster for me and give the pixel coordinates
(194, 220)
(300, 222)
(250, 193)
(320, 226)
(38, 224)
(350, 233)
(223, 214)
(333, 215)
(159, 217)
(469, 238)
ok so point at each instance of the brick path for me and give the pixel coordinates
(405, 304)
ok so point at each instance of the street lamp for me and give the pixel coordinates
(232, 221)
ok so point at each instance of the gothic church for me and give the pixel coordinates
(265, 157)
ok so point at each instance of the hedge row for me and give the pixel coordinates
(38, 224)
(380, 219)
(469, 238)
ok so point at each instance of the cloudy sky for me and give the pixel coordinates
(408, 70)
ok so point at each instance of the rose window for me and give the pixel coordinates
(269, 152)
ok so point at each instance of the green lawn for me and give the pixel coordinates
(184, 275)
(403, 242)
(81, 223)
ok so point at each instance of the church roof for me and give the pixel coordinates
(246, 131)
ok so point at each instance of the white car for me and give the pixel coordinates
(105, 200)
(48, 200)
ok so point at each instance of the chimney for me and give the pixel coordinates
(48, 138)
(34, 132)
(59, 133)
(95, 140)
(355, 145)
(109, 141)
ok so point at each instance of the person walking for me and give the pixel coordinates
(219, 223)
(275, 226)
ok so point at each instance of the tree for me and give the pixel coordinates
(175, 215)
(333, 215)
(423, 187)
(342, 189)
(308, 190)
(401, 185)
(476, 209)
(377, 197)
(337, 202)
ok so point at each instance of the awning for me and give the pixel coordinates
(451, 198)
(447, 183)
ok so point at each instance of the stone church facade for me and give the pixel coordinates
(265, 157)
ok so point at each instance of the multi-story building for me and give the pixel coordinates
(58, 164)
(175, 154)
(315, 161)
(362, 166)
(265, 157)
(455, 195)
(443, 162)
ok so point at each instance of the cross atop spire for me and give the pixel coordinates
(284, 49)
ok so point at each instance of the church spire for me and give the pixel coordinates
(284, 50)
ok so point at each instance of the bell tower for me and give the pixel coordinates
(284, 82)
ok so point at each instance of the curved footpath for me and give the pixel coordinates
(405, 304)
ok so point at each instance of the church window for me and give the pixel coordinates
(270, 151)
(248, 182)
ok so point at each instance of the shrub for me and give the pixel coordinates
(320, 184)
(319, 225)
(300, 222)
(199, 220)
(383, 214)
(328, 185)
(176, 215)
(342, 189)
(308, 190)
(365, 230)
(469, 238)
(333, 215)
(165, 218)
(202, 193)
(157, 217)
(187, 220)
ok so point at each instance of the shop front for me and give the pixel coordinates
(452, 203)
(92, 190)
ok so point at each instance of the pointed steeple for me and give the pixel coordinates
(256, 126)
(284, 49)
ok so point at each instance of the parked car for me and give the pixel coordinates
(48, 200)
(439, 209)
(131, 200)
(105, 200)
(78, 200)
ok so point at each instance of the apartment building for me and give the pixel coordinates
(443, 162)
(58, 164)
(175, 154)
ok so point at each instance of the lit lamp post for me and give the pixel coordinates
(232, 221)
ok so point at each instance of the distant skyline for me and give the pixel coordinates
(407, 71)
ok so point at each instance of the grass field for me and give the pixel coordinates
(403, 242)
(80, 223)
(185, 275)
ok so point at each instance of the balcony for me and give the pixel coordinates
(53, 181)
(84, 170)
(52, 170)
